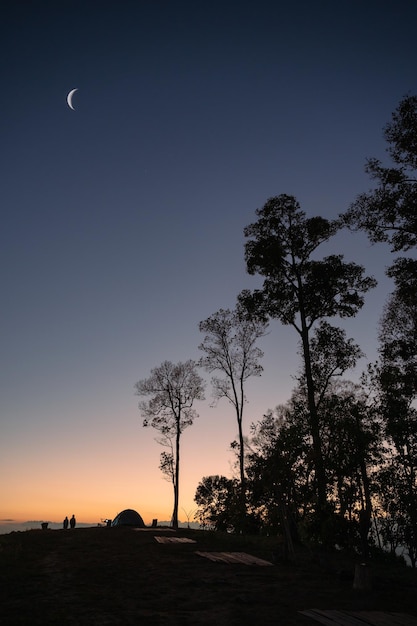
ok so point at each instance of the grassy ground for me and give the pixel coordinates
(109, 576)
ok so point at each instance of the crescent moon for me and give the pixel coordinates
(69, 98)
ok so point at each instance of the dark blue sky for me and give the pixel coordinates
(122, 221)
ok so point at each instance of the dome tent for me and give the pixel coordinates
(128, 517)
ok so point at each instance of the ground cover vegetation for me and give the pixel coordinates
(336, 466)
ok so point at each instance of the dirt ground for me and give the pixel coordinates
(108, 576)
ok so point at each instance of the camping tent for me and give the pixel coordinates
(128, 517)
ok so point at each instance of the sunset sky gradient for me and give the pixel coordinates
(122, 221)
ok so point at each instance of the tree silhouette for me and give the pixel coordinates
(217, 498)
(173, 390)
(229, 347)
(397, 373)
(389, 212)
(300, 290)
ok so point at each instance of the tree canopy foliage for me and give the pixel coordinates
(218, 503)
(336, 465)
(396, 377)
(299, 289)
(173, 389)
(229, 347)
(389, 211)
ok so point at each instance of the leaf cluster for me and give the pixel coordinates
(280, 248)
(229, 347)
(217, 498)
(173, 389)
(388, 213)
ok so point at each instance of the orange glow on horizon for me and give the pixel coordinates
(94, 475)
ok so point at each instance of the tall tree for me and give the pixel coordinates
(389, 211)
(173, 389)
(398, 386)
(300, 290)
(229, 347)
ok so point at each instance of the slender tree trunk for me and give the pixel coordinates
(177, 479)
(241, 442)
(241, 456)
(242, 476)
(238, 404)
(314, 421)
(411, 482)
(289, 554)
(365, 517)
(377, 532)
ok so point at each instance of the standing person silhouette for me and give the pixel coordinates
(65, 522)
(72, 522)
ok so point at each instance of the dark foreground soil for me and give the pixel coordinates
(108, 576)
